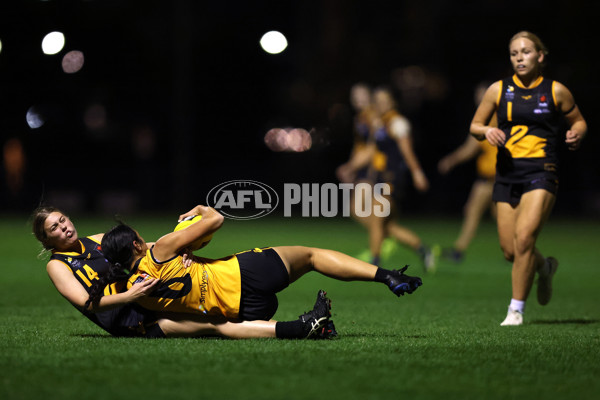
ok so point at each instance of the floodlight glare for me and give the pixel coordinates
(34, 118)
(273, 42)
(53, 43)
(72, 61)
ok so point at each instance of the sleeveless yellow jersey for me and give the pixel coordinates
(486, 161)
(208, 287)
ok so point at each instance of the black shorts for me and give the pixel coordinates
(511, 192)
(263, 274)
(130, 320)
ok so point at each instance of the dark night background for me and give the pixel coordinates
(188, 94)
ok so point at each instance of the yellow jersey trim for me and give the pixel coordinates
(72, 253)
(66, 265)
(499, 95)
(535, 83)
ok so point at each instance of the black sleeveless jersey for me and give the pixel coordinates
(87, 267)
(388, 162)
(531, 121)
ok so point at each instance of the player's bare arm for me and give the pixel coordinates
(481, 129)
(70, 288)
(578, 126)
(173, 243)
(418, 176)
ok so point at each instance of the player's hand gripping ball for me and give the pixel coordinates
(199, 243)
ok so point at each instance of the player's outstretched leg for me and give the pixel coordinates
(299, 260)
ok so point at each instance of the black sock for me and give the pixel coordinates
(422, 250)
(375, 260)
(381, 275)
(290, 330)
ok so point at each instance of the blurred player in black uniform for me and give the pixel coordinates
(355, 170)
(530, 111)
(388, 157)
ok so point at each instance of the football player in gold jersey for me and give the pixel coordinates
(241, 286)
(77, 263)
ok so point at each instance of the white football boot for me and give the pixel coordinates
(513, 318)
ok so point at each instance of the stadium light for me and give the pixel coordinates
(53, 43)
(34, 118)
(273, 42)
(72, 61)
(296, 140)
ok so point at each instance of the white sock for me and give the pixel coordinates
(517, 305)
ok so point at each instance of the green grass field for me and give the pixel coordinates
(444, 341)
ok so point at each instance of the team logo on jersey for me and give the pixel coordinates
(510, 93)
(243, 199)
(141, 278)
(542, 106)
(203, 289)
(528, 97)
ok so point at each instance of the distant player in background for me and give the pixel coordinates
(530, 111)
(480, 197)
(355, 170)
(391, 158)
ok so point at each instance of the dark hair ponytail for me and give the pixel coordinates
(117, 247)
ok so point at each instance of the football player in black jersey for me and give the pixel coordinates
(530, 111)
